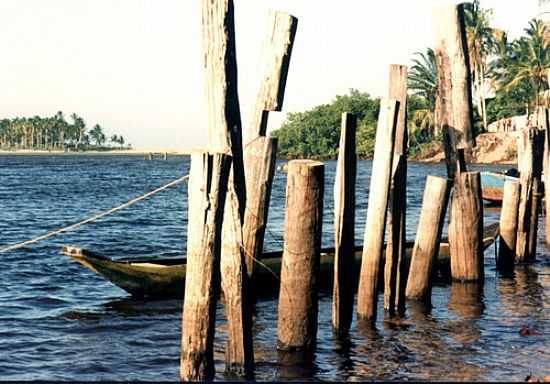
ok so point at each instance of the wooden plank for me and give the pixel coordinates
(455, 116)
(376, 212)
(466, 228)
(344, 227)
(225, 136)
(207, 188)
(428, 237)
(260, 158)
(277, 53)
(298, 294)
(394, 271)
(508, 226)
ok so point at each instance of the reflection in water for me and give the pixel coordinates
(466, 302)
(296, 365)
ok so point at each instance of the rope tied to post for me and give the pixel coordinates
(94, 217)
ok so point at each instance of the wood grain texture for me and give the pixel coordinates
(277, 53)
(508, 226)
(455, 116)
(344, 227)
(225, 135)
(207, 188)
(376, 211)
(428, 237)
(394, 271)
(298, 294)
(466, 228)
(260, 158)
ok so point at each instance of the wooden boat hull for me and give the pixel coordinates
(492, 186)
(155, 278)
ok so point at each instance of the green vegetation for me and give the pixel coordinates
(54, 133)
(509, 78)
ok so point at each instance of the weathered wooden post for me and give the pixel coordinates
(466, 228)
(298, 294)
(454, 96)
(530, 145)
(260, 152)
(272, 89)
(508, 226)
(376, 212)
(165, 155)
(428, 237)
(344, 227)
(394, 273)
(206, 198)
(225, 136)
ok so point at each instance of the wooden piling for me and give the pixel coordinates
(225, 136)
(376, 212)
(278, 50)
(531, 147)
(454, 97)
(207, 188)
(394, 271)
(344, 227)
(466, 228)
(508, 226)
(260, 158)
(298, 294)
(428, 237)
(260, 152)
(165, 155)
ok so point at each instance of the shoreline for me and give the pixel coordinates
(113, 152)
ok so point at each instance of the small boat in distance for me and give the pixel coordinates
(492, 185)
(164, 278)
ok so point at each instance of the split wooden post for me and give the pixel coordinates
(298, 294)
(344, 227)
(225, 136)
(428, 237)
(260, 156)
(544, 120)
(394, 271)
(466, 228)
(376, 212)
(282, 32)
(260, 152)
(508, 226)
(207, 188)
(454, 96)
(530, 144)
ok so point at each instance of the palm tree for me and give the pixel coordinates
(480, 39)
(97, 135)
(528, 63)
(424, 83)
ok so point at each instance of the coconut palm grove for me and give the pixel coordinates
(509, 78)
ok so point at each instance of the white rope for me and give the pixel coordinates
(93, 218)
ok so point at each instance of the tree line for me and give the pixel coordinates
(55, 133)
(509, 78)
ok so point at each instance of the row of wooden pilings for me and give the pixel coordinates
(229, 192)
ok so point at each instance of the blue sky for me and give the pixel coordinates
(134, 66)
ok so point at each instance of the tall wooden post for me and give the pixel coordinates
(344, 227)
(466, 228)
(428, 237)
(394, 273)
(376, 212)
(278, 50)
(544, 124)
(508, 226)
(260, 152)
(454, 96)
(225, 135)
(207, 188)
(530, 145)
(298, 294)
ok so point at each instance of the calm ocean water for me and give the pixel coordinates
(59, 321)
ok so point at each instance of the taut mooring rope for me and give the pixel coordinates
(93, 218)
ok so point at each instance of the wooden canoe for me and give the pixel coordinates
(492, 186)
(164, 278)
